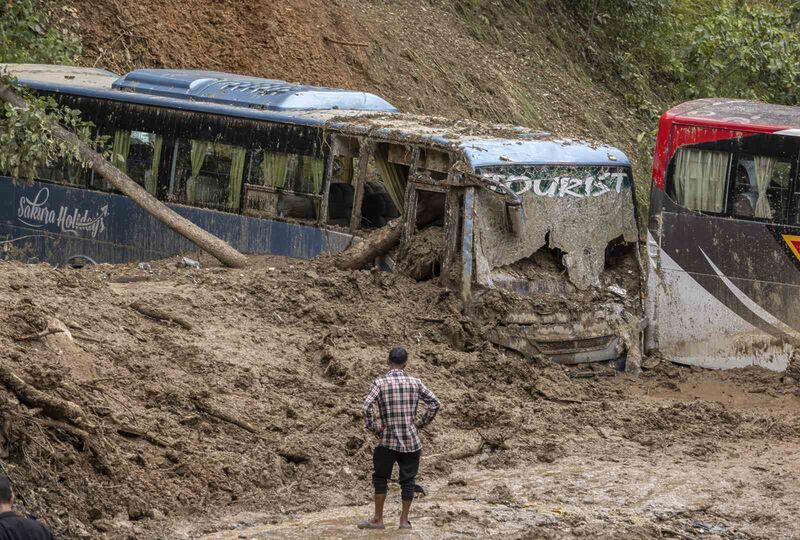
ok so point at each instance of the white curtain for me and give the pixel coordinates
(700, 178)
(764, 168)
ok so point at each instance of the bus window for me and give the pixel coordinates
(144, 158)
(284, 185)
(208, 174)
(699, 179)
(137, 154)
(63, 171)
(761, 188)
(342, 190)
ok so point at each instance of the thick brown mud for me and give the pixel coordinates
(245, 420)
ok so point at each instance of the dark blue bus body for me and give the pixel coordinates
(51, 222)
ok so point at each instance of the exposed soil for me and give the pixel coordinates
(247, 412)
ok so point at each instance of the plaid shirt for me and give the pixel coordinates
(398, 395)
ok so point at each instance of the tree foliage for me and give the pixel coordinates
(670, 50)
(751, 52)
(27, 37)
(26, 139)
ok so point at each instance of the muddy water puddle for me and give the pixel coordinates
(614, 491)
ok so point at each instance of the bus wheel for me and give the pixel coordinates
(79, 261)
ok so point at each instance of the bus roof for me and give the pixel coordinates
(736, 113)
(344, 110)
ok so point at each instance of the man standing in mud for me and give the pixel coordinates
(397, 395)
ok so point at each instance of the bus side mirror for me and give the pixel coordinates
(516, 218)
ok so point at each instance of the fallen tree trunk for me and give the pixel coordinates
(202, 238)
(379, 243)
(363, 253)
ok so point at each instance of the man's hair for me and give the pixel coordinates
(398, 356)
(5, 490)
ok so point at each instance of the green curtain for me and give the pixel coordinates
(237, 172)
(152, 180)
(198, 155)
(392, 179)
(274, 167)
(121, 148)
(317, 173)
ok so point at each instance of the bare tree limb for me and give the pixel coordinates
(160, 315)
(55, 408)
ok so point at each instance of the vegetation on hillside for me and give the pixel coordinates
(27, 35)
(657, 52)
(672, 50)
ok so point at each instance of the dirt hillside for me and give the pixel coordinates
(245, 410)
(436, 57)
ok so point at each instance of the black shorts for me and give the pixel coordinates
(383, 460)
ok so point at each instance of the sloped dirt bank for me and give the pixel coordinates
(426, 57)
(253, 405)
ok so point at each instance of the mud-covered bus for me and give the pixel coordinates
(537, 234)
(724, 235)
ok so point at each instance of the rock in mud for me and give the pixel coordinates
(501, 494)
(186, 262)
(137, 509)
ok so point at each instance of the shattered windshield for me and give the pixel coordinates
(577, 210)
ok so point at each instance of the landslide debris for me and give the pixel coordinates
(126, 425)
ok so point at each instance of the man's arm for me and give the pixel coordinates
(369, 402)
(432, 405)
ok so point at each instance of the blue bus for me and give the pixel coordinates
(273, 167)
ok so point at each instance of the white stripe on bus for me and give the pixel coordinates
(760, 312)
(794, 132)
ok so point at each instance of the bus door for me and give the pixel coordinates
(727, 269)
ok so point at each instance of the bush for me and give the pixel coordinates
(682, 49)
(749, 52)
(26, 38)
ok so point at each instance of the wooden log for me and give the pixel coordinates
(55, 408)
(161, 315)
(100, 462)
(218, 413)
(202, 238)
(379, 243)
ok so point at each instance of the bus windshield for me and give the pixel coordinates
(577, 210)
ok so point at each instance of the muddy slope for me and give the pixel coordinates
(250, 402)
(430, 57)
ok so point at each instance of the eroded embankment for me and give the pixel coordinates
(250, 400)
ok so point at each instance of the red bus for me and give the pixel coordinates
(724, 235)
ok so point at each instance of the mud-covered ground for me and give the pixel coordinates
(242, 419)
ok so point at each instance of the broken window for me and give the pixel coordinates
(577, 210)
(384, 190)
(341, 192)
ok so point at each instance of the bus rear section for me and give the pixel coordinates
(724, 240)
